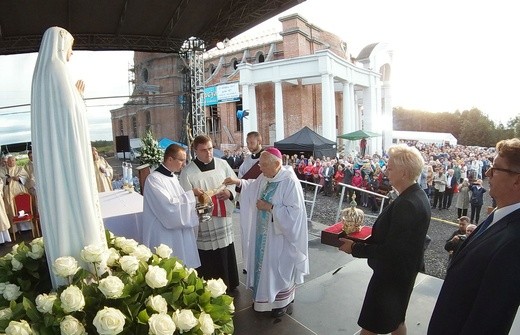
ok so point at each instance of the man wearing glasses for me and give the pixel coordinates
(481, 292)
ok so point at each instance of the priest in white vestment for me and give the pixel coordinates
(5, 223)
(215, 239)
(249, 170)
(278, 252)
(169, 214)
(14, 178)
(104, 172)
(68, 200)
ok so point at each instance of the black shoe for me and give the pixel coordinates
(279, 312)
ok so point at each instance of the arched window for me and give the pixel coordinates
(148, 121)
(121, 129)
(145, 75)
(134, 126)
(261, 58)
(235, 63)
(385, 72)
(211, 68)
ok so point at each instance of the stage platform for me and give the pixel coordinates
(329, 301)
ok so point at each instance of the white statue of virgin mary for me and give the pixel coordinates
(67, 194)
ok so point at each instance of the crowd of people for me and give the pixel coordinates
(451, 177)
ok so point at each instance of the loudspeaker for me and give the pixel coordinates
(122, 144)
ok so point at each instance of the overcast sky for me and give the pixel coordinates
(448, 55)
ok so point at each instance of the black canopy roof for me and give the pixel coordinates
(308, 142)
(151, 25)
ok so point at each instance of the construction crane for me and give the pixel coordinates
(191, 53)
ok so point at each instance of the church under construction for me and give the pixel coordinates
(282, 81)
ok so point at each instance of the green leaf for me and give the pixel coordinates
(31, 310)
(143, 316)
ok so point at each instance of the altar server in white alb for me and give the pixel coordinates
(169, 215)
(215, 237)
(278, 253)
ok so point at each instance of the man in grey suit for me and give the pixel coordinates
(481, 292)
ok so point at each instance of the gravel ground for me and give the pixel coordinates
(442, 225)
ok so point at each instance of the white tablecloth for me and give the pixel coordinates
(122, 213)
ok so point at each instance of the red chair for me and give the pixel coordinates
(23, 202)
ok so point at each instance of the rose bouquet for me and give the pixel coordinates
(130, 291)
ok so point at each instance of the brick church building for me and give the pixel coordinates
(285, 80)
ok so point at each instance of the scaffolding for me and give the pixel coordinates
(192, 53)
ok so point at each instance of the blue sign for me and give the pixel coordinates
(210, 95)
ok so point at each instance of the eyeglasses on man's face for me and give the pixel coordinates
(492, 170)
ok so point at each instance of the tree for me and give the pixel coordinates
(150, 152)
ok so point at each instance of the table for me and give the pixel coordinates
(122, 213)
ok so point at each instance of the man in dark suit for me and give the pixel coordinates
(481, 292)
(451, 182)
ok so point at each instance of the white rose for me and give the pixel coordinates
(156, 277)
(126, 245)
(18, 328)
(65, 266)
(93, 253)
(16, 264)
(2, 287)
(157, 303)
(37, 251)
(111, 286)
(71, 326)
(184, 319)
(129, 264)
(142, 252)
(161, 324)
(113, 257)
(206, 324)
(6, 314)
(216, 287)
(109, 321)
(14, 249)
(72, 299)
(178, 266)
(11, 292)
(45, 302)
(189, 272)
(163, 251)
(37, 241)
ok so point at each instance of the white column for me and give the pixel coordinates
(278, 110)
(354, 121)
(347, 115)
(249, 104)
(246, 122)
(388, 116)
(345, 109)
(370, 112)
(328, 107)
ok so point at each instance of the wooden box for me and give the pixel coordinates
(331, 235)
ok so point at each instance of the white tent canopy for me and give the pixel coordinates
(424, 137)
